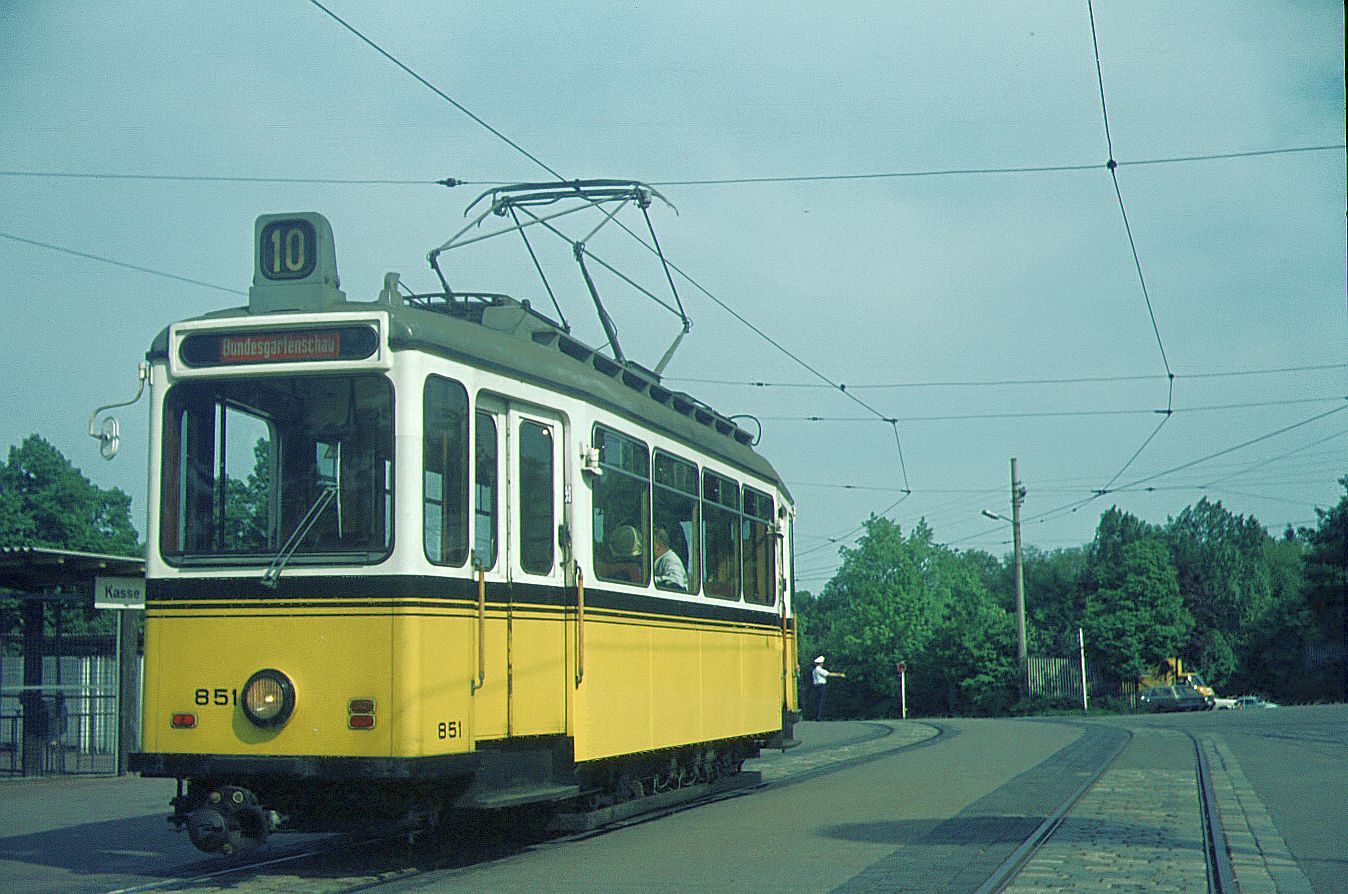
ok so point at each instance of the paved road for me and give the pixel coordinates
(1296, 762)
(847, 812)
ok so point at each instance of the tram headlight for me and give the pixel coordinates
(268, 698)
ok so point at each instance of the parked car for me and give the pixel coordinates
(1253, 701)
(1160, 699)
(1224, 704)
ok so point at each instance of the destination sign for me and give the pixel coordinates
(279, 346)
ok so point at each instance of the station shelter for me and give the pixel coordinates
(68, 703)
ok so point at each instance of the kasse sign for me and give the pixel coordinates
(119, 592)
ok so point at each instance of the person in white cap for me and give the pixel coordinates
(820, 680)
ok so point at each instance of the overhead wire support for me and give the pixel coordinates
(1113, 166)
(533, 256)
(1101, 492)
(1074, 380)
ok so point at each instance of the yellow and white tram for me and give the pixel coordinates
(425, 552)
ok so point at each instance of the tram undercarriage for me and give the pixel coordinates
(236, 813)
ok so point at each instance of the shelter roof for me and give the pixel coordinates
(31, 569)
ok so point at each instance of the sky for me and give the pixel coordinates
(906, 289)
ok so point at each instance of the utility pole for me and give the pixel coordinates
(1017, 495)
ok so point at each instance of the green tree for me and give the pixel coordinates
(48, 502)
(1053, 599)
(886, 604)
(1275, 644)
(1221, 561)
(1132, 626)
(1104, 556)
(1327, 570)
(974, 646)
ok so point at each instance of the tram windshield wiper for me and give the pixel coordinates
(329, 460)
(272, 575)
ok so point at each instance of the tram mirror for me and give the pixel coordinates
(328, 461)
(109, 437)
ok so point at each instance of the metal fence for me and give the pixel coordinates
(77, 701)
(1061, 678)
(1322, 654)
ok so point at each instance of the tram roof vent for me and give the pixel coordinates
(294, 264)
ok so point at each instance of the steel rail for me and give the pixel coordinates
(1221, 875)
(1011, 867)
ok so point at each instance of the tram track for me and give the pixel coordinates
(1216, 858)
(343, 863)
(346, 864)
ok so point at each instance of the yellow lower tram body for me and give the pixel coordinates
(313, 710)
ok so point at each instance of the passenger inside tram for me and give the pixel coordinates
(669, 568)
(621, 556)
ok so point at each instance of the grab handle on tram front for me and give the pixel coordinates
(481, 625)
(580, 625)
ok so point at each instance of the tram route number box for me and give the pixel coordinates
(119, 592)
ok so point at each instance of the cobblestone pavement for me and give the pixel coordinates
(1140, 828)
(776, 767)
(1135, 830)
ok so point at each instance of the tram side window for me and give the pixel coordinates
(445, 471)
(676, 538)
(536, 497)
(486, 491)
(721, 534)
(621, 522)
(759, 564)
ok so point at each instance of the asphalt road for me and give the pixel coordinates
(1297, 761)
(925, 817)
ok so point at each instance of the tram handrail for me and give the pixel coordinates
(580, 624)
(481, 627)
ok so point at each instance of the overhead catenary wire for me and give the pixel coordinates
(710, 181)
(116, 263)
(1113, 167)
(933, 173)
(1133, 485)
(669, 265)
(977, 383)
(1042, 414)
(436, 90)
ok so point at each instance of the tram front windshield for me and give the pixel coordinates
(249, 464)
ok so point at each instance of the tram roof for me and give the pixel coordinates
(506, 336)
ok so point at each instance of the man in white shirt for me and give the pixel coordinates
(820, 680)
(669, 570)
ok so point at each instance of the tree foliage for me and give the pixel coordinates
(1221, 562)
(1327, 570)
(45, 501)
(1142, 620)
(1209, 586)
(910, 599)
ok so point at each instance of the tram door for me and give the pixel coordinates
(529, 468)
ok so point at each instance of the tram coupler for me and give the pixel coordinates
(228, 821)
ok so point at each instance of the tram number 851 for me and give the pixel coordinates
(451, 730)
(220, 697)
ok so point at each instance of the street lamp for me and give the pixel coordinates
(1017, 495)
